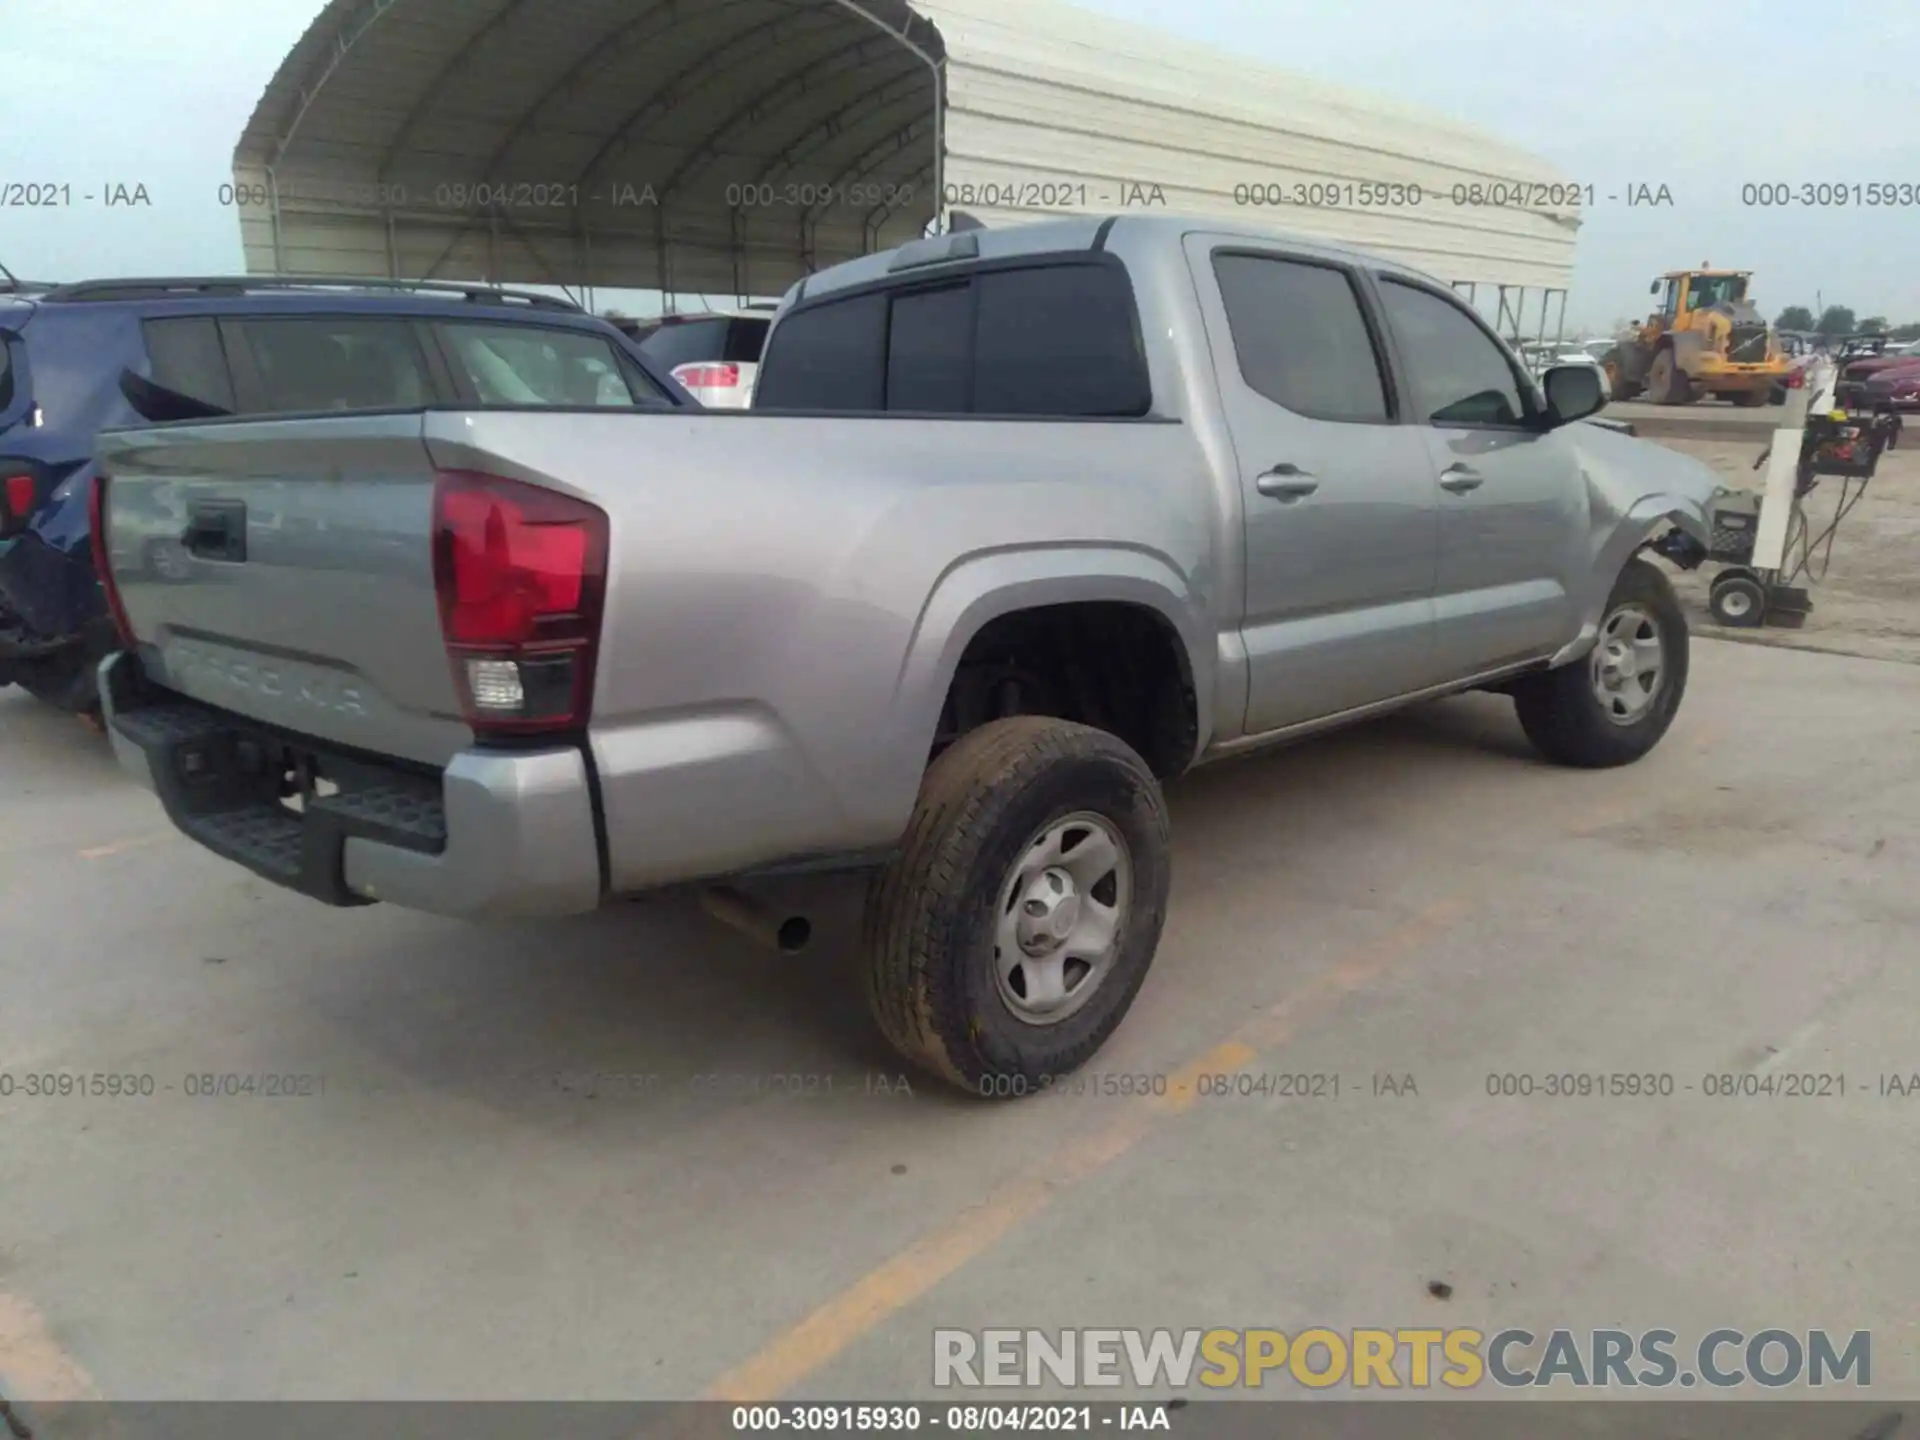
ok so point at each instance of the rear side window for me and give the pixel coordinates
(1054, 340)
(528, 365)
(1300, 337)
(1458, 374)
(1058, 340)
(827, 357)
(6, 372)
(188, 359)
(346, 363)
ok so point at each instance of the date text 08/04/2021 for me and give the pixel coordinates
(1264, 192)
(954, 1419)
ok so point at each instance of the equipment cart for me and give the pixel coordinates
(1764, 540)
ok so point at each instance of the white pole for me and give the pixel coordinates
(1783, 462)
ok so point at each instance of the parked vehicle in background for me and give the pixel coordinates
(715, 354)
(1863, 355)
(246, 346)
(1022, 523)
(1894, 386)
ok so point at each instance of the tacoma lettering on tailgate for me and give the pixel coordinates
(277, 680)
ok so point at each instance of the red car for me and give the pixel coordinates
(1893, 384)
(1871, 362)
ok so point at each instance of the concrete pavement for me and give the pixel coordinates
(629, 1156)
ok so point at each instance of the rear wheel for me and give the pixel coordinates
(1612, 706)
(1007, 940)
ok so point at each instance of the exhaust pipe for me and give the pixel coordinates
(789, 934)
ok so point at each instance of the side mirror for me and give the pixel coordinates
(1573, 393)
(1654, 288)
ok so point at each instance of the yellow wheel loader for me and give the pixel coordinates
(1705, 339)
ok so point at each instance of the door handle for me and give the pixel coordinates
(216, 530)
(1285, 482)
(1459, 479)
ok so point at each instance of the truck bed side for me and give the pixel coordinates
(786, 595)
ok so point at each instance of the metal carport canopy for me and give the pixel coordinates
(732, 146)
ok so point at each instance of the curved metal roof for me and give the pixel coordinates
(730, 146)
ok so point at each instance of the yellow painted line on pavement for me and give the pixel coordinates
(797, 1352)
(33, 1366)
(120, 847)
(793, 1355)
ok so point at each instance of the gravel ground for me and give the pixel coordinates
(1869, 602)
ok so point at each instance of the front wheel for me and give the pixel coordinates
(1612, 706)
(1007, 940)
(1667, 383)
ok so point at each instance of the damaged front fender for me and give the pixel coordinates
(1637, 492)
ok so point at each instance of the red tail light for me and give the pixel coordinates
(708, 377)
(103, 560)
(19, 493)
(521, 576)
(1797, 380)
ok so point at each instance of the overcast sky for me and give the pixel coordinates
(1702, 97)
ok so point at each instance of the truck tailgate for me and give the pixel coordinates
(283, 570)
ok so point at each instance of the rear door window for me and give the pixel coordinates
(531, 365)
(188, 359)
(6, 372)
(338, 363)
(1301, 337)
(830, 356)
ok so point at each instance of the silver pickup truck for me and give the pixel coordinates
(1023, 523)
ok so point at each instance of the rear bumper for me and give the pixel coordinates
(497, 833)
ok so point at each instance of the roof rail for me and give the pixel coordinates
(160, 287)
(24, 287)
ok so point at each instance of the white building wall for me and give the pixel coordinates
(1048, 102)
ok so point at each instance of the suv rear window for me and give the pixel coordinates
(6, 372)
(345, 363)
(720, 340)
(529, 365)
(1053, 339)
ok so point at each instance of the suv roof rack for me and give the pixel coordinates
(160, 287)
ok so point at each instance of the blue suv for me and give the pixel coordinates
(76, 359)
